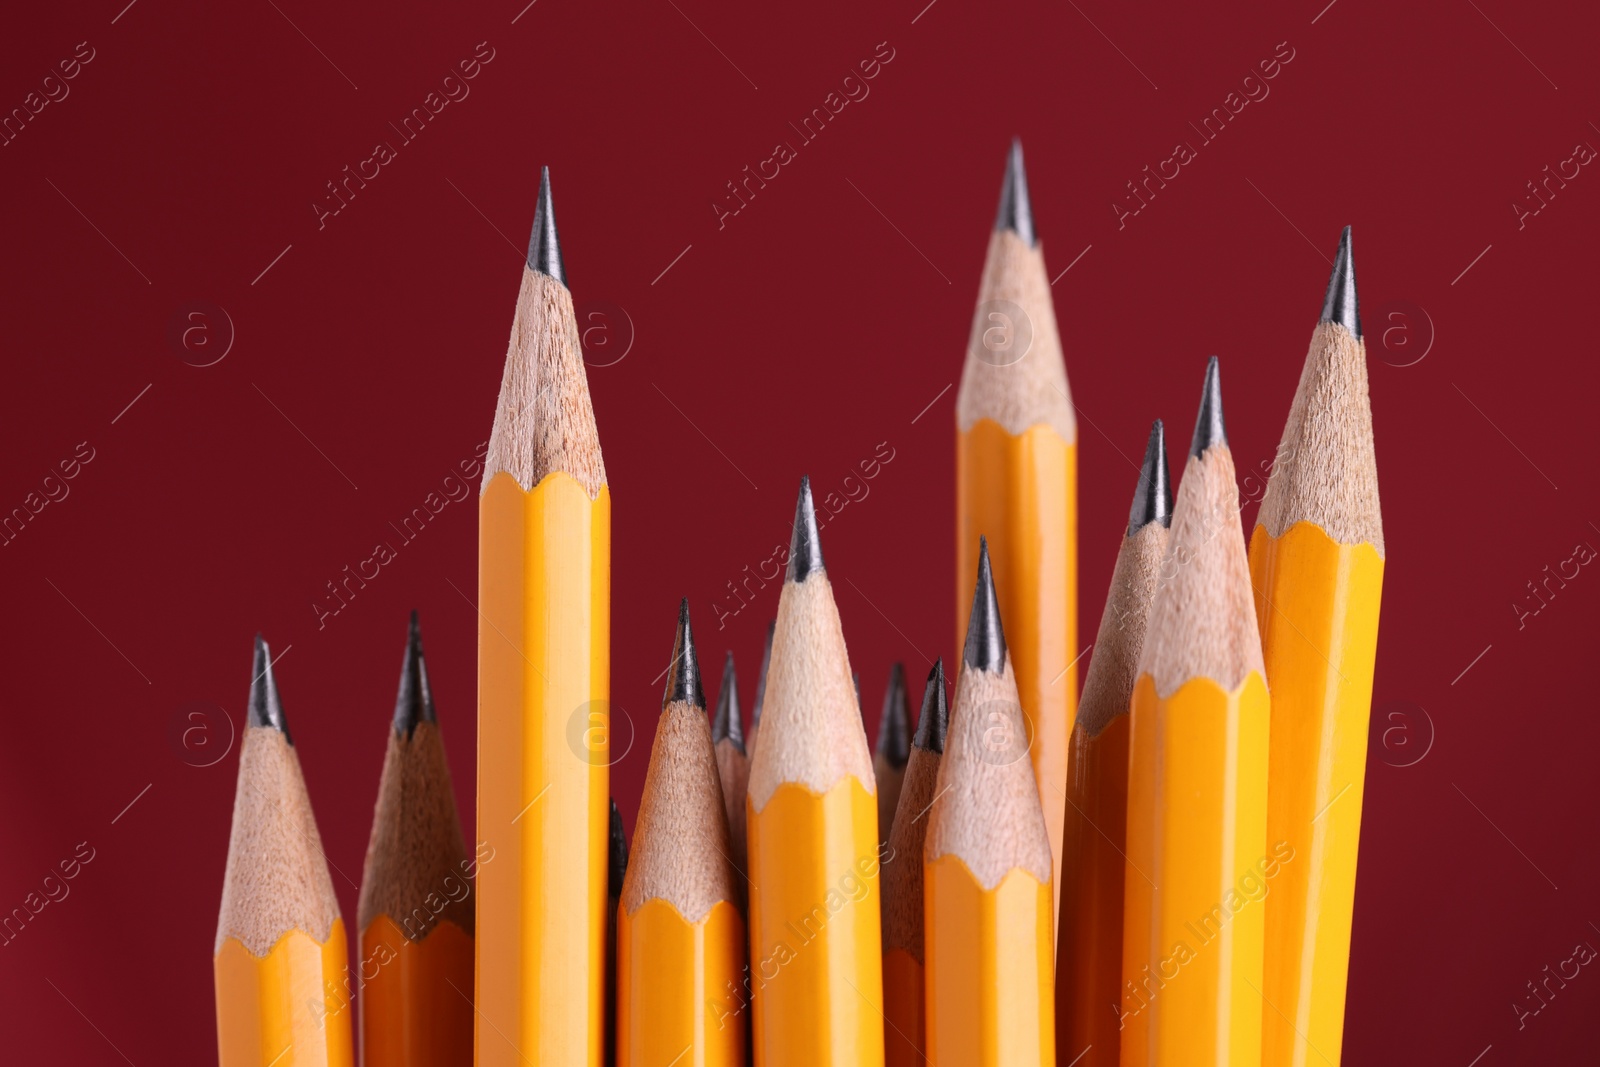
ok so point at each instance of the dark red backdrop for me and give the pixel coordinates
(176, 174)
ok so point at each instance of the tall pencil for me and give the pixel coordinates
(680, 940)
(989, 912)
(893, 748)
(1316, 558)
(759, 703)
(815, 947)
(1017, 483)
(544, 601)
(282, 985)
(1089, 945)
(1197, 860)
(905, 1021)
(733, 769)
(415, 910)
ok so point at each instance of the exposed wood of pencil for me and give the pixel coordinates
(1016, 482)
(815, 944)
(279, 929)
(733, 769)
(543, 674)
(416, 887)
(905, 1041)
(1089, 942)
(893, 748)
(986, 888)
(1317, 561)
(679, 935)
(1197, 858)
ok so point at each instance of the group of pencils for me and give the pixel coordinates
(1159, 873)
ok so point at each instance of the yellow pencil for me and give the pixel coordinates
(283, 988)
(988, 911)
(544, 600)
(1316, 559)
(815, 952)
(680, 939)
(1017, 483)
(1197, 858)
(1089, 956)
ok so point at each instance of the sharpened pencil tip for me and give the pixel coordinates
(544, 246)
(1016, 209)
(683, 677)
(616, 854)
(1339, 304)
(728, 723)
(761, 678)
(413, 703)
(1152, 500)
(805, 545)
(894, 722)
(986, 640)
(1209, 427)
(264, 707)
(934, 721)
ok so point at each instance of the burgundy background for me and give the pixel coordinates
(818, 323)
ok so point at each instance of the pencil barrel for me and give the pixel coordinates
(680, 987)
(289, 1008)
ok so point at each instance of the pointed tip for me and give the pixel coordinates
(1016, 208)
(683, 677)
(986, 640)
(616, 853)
(1340, 304)
(1152, 500)
(805, 544)
(1209, 427)
(413, 702)
(728, 723)
(761, 678)
(894, 722)
(264, 708)
(544, 246)
(934, 721)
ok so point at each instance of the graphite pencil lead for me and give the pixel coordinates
(1152, 500)
(986, 640)
(616, 853)
(1340, 304)
(1209, 427)
(413, 703)
(683, 677)
(544, 246)
(1016, 210)
(761, 678)
(728, 724)
(264, 708)
(805, 545)
(934, 722)
(894, 725)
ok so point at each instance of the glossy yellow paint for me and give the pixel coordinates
(990, 962)
(289, 1008)
(544, 600)
(1021, 492)
(816, 954)
(1089, 939)
(414, 1006)
(1192, 893)
(1317, 601)
(905, 1019)
(680, 987)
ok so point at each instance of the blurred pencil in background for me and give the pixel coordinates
(1316, 560)
(893, 747)
(1017, 483)
(282, 983)
(733, 769)
(1089, 956)
(415, 911)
